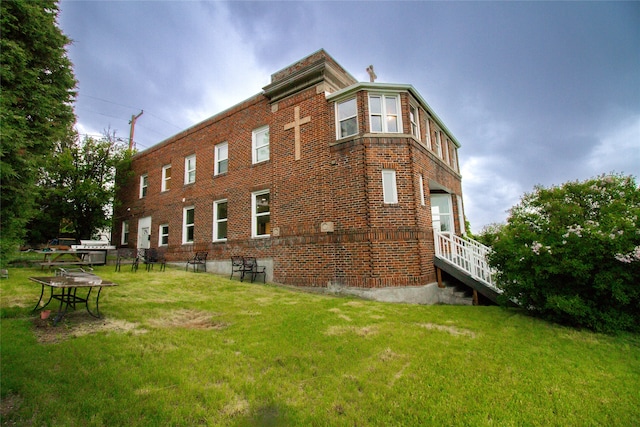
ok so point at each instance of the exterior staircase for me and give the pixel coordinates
(466, 260)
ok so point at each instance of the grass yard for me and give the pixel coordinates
(185, 349)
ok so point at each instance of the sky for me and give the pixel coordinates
(537, 93)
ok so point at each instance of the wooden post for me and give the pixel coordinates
(475, 297)
(439, 275)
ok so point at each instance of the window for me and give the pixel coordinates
(445, 148)
(415, 121)
(220, 220)
(441, 217)
(144, 183)
(188, 224)
(190, 169)
(261, 218)
(166, 177)
(221, 155)
(260, 144)
(422, 201)
(346, 112)
(454, 159)
(389, 190)
(438, 144)
(428, 134)
(463, 228)
(125, 233)
(384, 113)
(163, 233)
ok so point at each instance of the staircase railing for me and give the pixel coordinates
(467, 255)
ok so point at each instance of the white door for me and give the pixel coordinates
(144, 232)
(442, 213)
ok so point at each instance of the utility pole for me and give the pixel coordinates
(133, 126)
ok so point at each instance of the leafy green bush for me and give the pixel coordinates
(571, 253)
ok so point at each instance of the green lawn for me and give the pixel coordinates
(186, 349)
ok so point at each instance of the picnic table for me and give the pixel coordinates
(64, 288)
(65, 258)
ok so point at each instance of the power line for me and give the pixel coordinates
(129, 106)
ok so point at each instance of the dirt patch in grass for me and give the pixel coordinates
(189, 319)
(449, 329)
(77, 324)
(363, 331)
(8, 406)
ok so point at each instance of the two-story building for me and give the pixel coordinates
(326, 180)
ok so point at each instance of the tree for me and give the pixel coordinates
(571, 253)
(36, 108)
(77, 188)
(489, 233)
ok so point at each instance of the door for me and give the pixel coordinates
(144, 233)
(442, 213)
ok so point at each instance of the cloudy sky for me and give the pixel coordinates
(536, 92)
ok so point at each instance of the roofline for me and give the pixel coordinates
(395, 87)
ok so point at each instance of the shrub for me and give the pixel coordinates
(571, 253)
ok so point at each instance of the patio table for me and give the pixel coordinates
(68, 286)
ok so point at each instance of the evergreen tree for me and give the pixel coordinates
(36, 110)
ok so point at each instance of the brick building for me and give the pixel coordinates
(326, 180)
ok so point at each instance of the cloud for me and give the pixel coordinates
(618, 149)
(494, 193)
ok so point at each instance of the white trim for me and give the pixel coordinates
(421, 182)
(339, 120)
(161, 235)
(463, 226)
(124, 235)
(255, 214)
(217, 221)
(389, 186)
(415, 122)
(384, 115)
(218, 151)
(437, 215)
(185, 225)
(189, 168)
(144, 185)
(165, 185)
(255, 147)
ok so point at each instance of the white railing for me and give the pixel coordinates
(466, 254)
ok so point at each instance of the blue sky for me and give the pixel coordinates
(536, 92)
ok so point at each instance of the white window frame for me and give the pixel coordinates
(454, 158)
(428, 134)
(340, 120)
(124, 238)
(186, 226)
(421, 185)
(384, 115)
(414, 118)
(255, 141)
(221, 156)
(166, 180)
(144, 185)
(438, 217)
(255, 215)
(217, 221)
(463, 226)
(438, 148)
(161, 234)
(445, 148)
(190, 169)
(389, 186)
